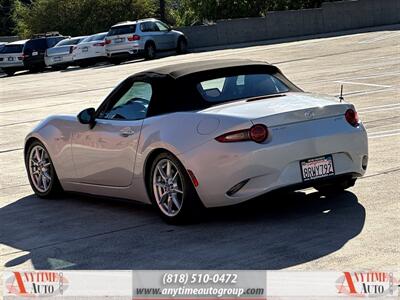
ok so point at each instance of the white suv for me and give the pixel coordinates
(142, 38)
(11, 57)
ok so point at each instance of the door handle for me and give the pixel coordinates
(127, 132)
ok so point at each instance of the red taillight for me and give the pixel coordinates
(352, 117)
(99, 44)
(257, 133)
(107, 42)
(133, 38)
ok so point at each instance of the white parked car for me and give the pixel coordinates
(90, 51)
(59, 57)
(142, 38)
(210, 133)
(11, 57)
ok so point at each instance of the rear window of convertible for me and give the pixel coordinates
(230, 88)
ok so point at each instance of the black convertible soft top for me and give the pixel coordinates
(174, 86)
(189, 68)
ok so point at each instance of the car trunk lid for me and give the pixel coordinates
(59, 51)
(282, 109)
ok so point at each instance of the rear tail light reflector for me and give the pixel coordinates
(133, 38)
(193, 178)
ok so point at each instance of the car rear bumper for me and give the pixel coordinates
(274, 165)
(14, 64)
(92, 55)
(126, 54)
(129, 49)
(58, 60)
(34, 62)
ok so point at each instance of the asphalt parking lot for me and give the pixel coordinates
(356, 230)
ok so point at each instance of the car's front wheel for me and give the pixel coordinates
(172, 190)
(41, 173)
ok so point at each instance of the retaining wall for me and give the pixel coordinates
(331, 17)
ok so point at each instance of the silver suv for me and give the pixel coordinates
(142, 38)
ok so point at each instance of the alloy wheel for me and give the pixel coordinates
(40, 169)
(168, 187)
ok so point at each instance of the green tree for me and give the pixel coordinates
(6, 22)
(76, 17)
(188, 12)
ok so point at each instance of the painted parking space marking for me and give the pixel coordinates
(361, 83)
(379, 38)
(384, 133)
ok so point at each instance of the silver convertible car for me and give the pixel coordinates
(203, 134)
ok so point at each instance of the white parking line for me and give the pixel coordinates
(384, 133)
(360, 93)
(379, 38)
(382, 109)
(361, 83)
(378, 106)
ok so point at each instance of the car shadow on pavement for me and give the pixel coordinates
(273, 232)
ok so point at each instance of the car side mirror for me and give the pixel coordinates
(86, 116)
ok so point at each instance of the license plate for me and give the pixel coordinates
(11, 59)
(315, 168)
(119, 40)
(34, 53)
(57, 58)
(85, 49)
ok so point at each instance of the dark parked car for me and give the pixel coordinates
(35, 50)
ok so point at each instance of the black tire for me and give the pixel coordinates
(182, 46)
(150, 51)
(191, 206)
(9, 72)
(335, 187)
(54, 187)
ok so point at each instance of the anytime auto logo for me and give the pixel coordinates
(40, 283)
(367, 284)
